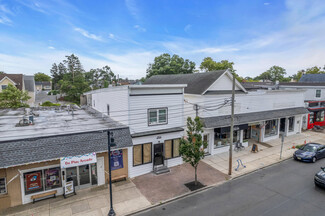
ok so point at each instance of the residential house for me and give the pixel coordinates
(43, 85)
(154, 114)
(260, 115)
(20, 81)
(57, 146)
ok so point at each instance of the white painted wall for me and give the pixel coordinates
(223, 83)
(147, 168)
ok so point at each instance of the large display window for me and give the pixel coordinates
(271, 128)
(42, 180)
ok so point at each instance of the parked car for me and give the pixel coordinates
(320, 178)
(311, 152)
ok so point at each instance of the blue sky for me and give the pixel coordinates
(127, 35)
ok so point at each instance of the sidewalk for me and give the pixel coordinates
(266, 156)
(87, 202)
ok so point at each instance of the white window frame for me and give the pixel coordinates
(4, 88)
(320, 93)
(157, 116)
(6, 190)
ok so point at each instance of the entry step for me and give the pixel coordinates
(161, 170)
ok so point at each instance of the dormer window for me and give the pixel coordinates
(157, 116)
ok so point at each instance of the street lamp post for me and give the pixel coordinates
(110, 143)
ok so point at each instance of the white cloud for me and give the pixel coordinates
(187, 27)
(267, 3)
(4, 13)
(87, 34)
(111, 36)
(139, 28)
(132, 7)
(211, 50)
(51, 47)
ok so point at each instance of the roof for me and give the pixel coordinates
(149, 133)
(18, 152)
(224, 121)
(197, 83)
(257, 85)
(312, 78)
(17, 78)
(29, 83)
(53, 122)
(302, 84)
(220, 92)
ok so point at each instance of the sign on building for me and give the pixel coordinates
(116, 159)
(79, 160)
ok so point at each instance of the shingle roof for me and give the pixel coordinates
(17, 78)
(29, 83)
(18, 152)
(42, 83)
(197, 83)
(162, 131)
(224, 121)
(313, 78)
(302, 84)
(257, 85)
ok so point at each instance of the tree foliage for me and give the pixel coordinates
(42, 77)
(312, 70)
(275, 73)
(192, 148)
(11, 97)
(165, 64)
(100, 77)
(208, 64)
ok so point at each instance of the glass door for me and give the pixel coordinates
(72, 175)
(84, 175)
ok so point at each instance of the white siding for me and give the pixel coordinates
(117, 99)
(147, 168)
(139, 115)
(223, 83)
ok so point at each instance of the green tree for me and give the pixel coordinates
(73, 89)
(100, 77)
(2, 72)
(11, 97)
(192, 148)
(275, 73)
(208, 64)
(165, 64)
(42, 77)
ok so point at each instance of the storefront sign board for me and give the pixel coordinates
(33, 181)
(79, 160)
(68, 189)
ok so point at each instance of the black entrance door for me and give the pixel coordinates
(282, 125)
(158, 154)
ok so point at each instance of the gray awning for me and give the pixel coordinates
(224, 121)
(155, 132)
(32, 150)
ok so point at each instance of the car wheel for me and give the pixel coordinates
(314, 159)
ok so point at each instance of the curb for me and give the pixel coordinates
(202, 189)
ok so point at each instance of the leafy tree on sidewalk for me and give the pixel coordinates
(42, 77)
(192, 148)
(11, 97)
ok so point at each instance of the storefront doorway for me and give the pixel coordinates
(83, 176)
(158, 154)
(282, 125)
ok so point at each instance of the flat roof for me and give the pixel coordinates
(49, 122)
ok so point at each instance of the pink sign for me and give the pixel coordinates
(79, 160)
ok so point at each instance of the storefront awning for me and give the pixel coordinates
(224, 121)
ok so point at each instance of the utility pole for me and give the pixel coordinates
(110, 143)
(282, 140)
(196, 110)
(232, 122)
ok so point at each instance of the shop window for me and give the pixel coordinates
(142, 154)
(42, 180)
(291, 124)
(172, 148)
(320, 116)
(271, 128)
(318, 93)
(313, 104)
(311, 118)
(157, 116)
(94, 178)
(3, 186)
(247, 133)
(223, 138)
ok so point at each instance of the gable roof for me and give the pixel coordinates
(16, 78)
(197, 83)
(312, 78)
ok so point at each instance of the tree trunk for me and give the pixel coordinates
(195, 175)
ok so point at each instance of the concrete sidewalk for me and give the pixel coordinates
(87, 202)
(266, 155)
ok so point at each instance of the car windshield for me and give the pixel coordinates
(309, 148)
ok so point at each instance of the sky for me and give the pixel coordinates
(127, 35)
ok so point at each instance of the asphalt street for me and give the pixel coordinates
(286, 188)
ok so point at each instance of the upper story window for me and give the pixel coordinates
(318, 93)
(4, 87)
(157, 116)
(3, 187)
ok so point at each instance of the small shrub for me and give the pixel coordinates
(49, 104)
